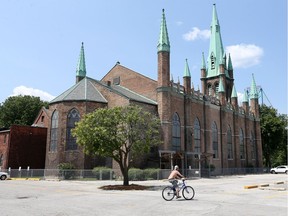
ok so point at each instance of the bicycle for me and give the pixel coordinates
(169, 192)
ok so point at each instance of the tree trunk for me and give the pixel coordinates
(125, 177)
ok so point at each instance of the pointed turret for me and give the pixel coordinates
(253, 89)
(254, 105)
(81, 67)
(187, 78)
(203, 75)
(230, 67)
(245, 102)
(203, 66)
(186, 69)
(163, 43)
(234, 92)
(234, 98)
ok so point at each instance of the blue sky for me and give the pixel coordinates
(41, 41)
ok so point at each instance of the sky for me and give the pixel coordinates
(40, 42)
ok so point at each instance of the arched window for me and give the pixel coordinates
(229, 143)
(215, 140)
(253, 146)
(197, 143)
(210, 89)
(176, 132)
(241, 144)
(54, 132)
(72, 118)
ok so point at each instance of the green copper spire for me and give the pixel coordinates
(234, 92)
(81, 67)
(216, 51)
(230, 67)
(253, 89)
(203, 61)
(163, 43)
(221, 87)
(186, 69)
(245, 97)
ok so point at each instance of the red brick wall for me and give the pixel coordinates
(27, 147)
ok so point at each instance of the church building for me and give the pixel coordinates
(199, 127)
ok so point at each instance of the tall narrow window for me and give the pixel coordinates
(176, 132)
(72, 118)
(1, 160)
(54, 132)
(241, 144)
(229, 144)
(215, 140)
(197, 144)
(253, 146)
(209, 89)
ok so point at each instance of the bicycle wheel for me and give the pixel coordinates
(168, 193)
(188, 192)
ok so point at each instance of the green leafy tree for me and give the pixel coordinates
(121, 133)
(21, 110)
(274, 136)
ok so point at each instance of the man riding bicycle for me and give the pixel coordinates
(174, 175)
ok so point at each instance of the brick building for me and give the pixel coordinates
(23, 146)
(199, 127)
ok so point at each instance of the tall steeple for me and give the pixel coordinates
(163, 43)
(163, 48)
(81, 67)
(216, 51)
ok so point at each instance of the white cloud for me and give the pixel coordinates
(23, 90)
(196, 33)
(245, 55)
(179, 23)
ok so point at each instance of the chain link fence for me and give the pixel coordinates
(134, 174)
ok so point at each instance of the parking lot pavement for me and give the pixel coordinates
(214, 196)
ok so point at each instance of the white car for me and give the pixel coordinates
(3, 175)
(279, 169)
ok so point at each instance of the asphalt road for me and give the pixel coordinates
(214, 196)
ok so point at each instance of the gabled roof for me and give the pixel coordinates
(81, 91)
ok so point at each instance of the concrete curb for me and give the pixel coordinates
(22, 179)
(262, 186)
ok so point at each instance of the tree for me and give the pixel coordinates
(121, 133)
(21, 110)
(274, 136)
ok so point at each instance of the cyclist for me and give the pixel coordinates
(174, 175)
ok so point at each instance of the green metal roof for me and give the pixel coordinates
(163, 43)
(245, 97)
(84, 90)
(186, 69)
(253, 89)
(81, 67)
(234, 92)
(216, 50)
(230, 67)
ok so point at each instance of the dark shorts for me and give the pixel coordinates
(174, 182)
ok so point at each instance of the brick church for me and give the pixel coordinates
(199, 127)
